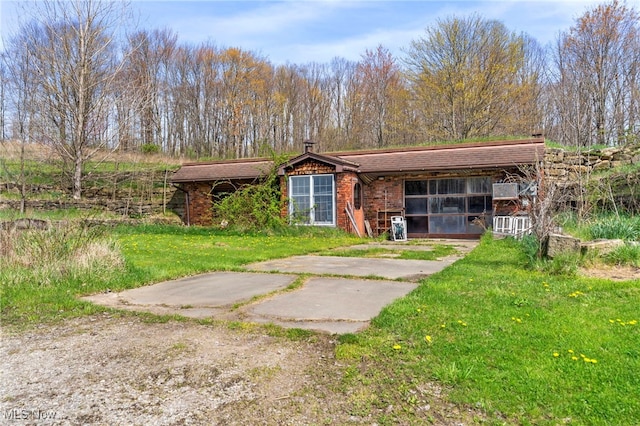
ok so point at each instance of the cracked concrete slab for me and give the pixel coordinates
(338, 305)
(354, 266)
(323, 303)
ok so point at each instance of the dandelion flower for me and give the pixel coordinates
(575, 358)
(570, 351)
(427, 339)
(556, 354)
(397, 347)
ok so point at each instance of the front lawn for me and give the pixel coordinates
(519, 346)
(506, 343)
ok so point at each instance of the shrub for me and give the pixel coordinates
(149, 148)
(254, 207)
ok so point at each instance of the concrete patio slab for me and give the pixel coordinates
(323, 303)
(355, 266)
(215, 290)
(337, 305)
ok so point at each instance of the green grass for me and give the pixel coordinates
(58, 214)
(503, 339)
(498, 338)
(34, 293)
(121, 172)
(602, 226)
(438, 251)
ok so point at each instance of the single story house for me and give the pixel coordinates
(440, 191)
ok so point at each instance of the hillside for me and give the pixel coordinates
(122, 183)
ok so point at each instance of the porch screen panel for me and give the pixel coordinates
(417, 224)
(448, 224)
(447, 206)
(415, 187)
(416, 206)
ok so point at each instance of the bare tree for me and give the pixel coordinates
(595, 79)
(4, 83)
(74, 52)
(20, 85)
(384, 96)
(466, 73)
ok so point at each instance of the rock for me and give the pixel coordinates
(601, 246)
(622, 156)
(559, 244)
(602, 165)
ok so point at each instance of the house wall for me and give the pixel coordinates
(380, 196)
(309, 167)
(345, 184)
(200, 203)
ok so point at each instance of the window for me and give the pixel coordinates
(357, 196)
(312, 199)
(447, 206)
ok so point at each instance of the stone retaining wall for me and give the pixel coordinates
(568, 166)
(123, 207)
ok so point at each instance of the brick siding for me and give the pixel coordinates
(200, 203)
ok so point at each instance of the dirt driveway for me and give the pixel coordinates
(119, 370)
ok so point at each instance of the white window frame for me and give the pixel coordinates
(312, 221)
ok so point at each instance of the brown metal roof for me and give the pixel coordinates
(415, 159)
(222, 170)
(449, 157)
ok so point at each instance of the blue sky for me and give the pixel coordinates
(302, 31)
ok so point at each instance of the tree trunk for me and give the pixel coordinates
(77, 177)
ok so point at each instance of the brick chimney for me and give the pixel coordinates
(308, 146)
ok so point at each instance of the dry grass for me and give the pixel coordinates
(10, 150)
(54, 252)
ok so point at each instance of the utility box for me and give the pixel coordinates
(505, 191)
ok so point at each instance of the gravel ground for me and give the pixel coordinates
(120, 370)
